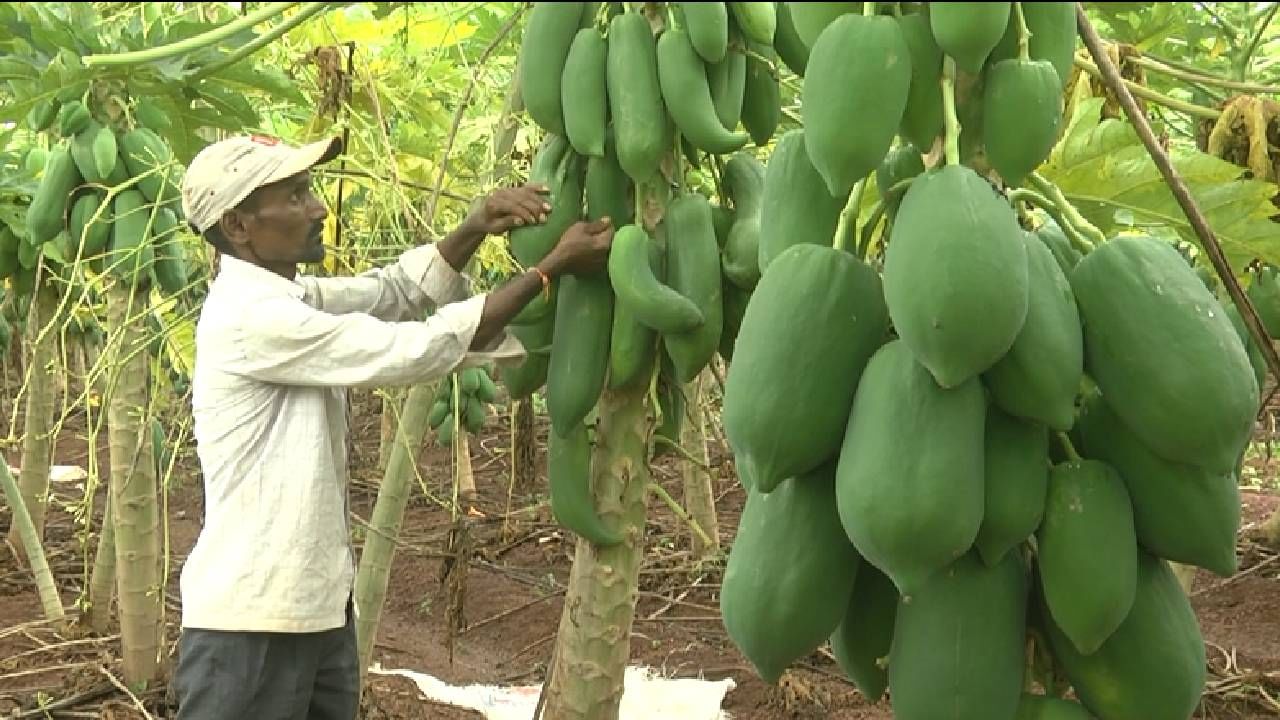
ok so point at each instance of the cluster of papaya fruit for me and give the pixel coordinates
(615, 98)
(475, 390)
(1001, 431)
(106, 198)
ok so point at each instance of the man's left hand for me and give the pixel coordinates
(508, 208)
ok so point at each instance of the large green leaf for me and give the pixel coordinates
(1105, 171)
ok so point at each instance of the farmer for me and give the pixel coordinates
(267, 610)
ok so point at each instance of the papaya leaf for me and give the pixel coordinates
(270, 80)
(1105, 171)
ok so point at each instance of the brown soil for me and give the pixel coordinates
(507, 574)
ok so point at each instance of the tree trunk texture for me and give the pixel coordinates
(699, 482)
(374, 573)
(41, 392)
(134, 501)
(102, 582)
(593, 643)
(524, 448)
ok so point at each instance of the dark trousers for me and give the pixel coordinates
(268, 676)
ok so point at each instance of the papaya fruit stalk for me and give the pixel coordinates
(191, 44)
(1024, 34)
(847, 227)
(952, 146)
(263, 40)
(1055, 194)
(1072, 232)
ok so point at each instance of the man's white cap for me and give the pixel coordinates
(224, 173)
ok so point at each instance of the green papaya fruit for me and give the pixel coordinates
(708, 27)
(1152, 666)
(579, 349)
(1022, 110)
(790, 573)
(798, 359)
(1191, 400)
(524, 379)
(9, 244)
(1180, 512)
(584, 98)
(865, 634)
(792, 50)
(758, 20)
(922, 119)
(72, 118)
(1264, 293)
(632, 343)
(811, 18)
(969, 31)
(859, 62)
(1087, 552)
(761, 98)
(1053, 36)
(635, 96)
(1016, 469)
(562, 170)
(955, 274)
(1051, 234)
(901, 163)
(693, 271)
(47, 213)
(647, 299)
(548, 35)
(1040, 375)
(687, 95)
(958, 647)
(913, 457)
(1258, 362)
(608, 190)
(91, 235)
(735, 308)
(795, 207)
(727, 82)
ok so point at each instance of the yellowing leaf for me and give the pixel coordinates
(438, 31)
(1105, 171)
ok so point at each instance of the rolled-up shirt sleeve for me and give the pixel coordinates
(289, 342)
(419, 281)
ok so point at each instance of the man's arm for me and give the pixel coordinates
(289, 341)
(428, 276)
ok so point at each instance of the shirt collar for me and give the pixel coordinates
(236, 271)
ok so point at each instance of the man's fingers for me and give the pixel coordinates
(534, 207)
(512, 206)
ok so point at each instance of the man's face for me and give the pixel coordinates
(283, 222)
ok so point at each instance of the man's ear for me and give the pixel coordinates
(234, 226)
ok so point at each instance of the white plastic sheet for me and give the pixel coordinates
(646, 696)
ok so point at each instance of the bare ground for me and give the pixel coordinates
(513, 593)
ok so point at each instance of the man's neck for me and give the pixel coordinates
(288, 271)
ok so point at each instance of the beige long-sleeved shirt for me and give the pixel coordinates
(274, 358)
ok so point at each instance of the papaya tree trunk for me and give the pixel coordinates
(37, 441)
(593, 642)
(1270, 530)
(466, 476)
(133, 491)
(391, 409)
(22, 523)
(374, 572)
(699, 487)
(102, 581)
(524, 448)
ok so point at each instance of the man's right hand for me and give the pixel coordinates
(582, 250)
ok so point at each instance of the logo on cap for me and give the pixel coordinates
(264, 139)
